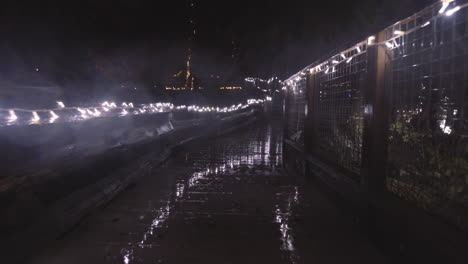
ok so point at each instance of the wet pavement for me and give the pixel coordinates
(221, 200)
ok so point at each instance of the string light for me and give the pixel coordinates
(445, 4)
(453, 11)
(94, 112)
(35, 118)
(389, 43)
(53, 116)
(60, 104)
(83, 113)
(97, 112)
(12, 116)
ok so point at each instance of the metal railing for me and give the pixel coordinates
(390, 113)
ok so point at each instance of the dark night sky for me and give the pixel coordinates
(146, 40)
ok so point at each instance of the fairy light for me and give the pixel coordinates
(391, 43)
(97, 112)
(445, 4)
(94, 112)
(60, 104)
(83, 113)
(53, 116)
(453, 11)
(12, 116)
(35, 119)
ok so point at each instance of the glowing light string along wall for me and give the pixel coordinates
(18, 116)
(448, 8)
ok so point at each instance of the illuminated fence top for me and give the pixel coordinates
(447, 9)
(62, 114)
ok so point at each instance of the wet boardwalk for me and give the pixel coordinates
(221, 200)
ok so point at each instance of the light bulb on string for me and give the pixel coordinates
(445, 4)
(12, 117)
(453, 11)
(35, 118)
(53, 116)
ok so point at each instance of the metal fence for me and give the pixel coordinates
(428, 131)
(340, 109)
(295, 115)
(390, 112)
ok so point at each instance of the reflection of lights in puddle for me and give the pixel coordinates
(161, 218)
(180, 190)
(282, 219)
(235, 162)
(127, 255)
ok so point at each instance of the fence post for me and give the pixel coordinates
(285, 112)
(311, 121)
(376, 118)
